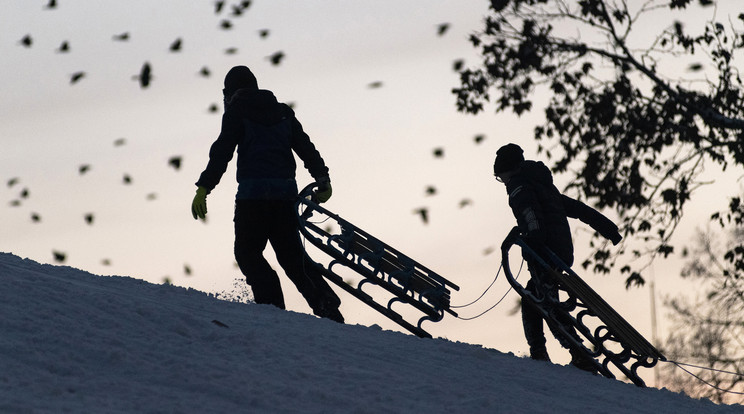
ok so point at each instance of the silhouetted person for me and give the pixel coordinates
(542, 215)
(266, 133)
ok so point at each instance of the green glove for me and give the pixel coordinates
(324, 191)
(199, 205)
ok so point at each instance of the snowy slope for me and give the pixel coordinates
(75, 342)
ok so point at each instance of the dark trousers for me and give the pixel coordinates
(275, 221)
(532, 319)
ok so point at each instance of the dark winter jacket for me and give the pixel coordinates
(265, 133)
(541, 211)
(538, 207)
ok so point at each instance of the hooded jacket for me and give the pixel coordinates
(542, 211)
(265, 133)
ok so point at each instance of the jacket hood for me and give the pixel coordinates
(537, 171)
(258, 105)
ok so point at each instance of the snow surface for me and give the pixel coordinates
(75, 342)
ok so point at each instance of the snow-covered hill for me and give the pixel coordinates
(75, 342)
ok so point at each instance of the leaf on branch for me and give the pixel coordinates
(635, 279)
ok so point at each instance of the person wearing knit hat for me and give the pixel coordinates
(542, 214)
(267, 134)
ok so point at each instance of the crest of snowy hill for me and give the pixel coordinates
(76, 342)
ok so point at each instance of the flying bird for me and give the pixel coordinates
(26, 41)
(231, 50)
(423, 212)
(276, 58)
(218, 5)
(13, 181)
(64, 47)
(205, 72)
(226, 25)
(175, 161)
(374, 85)
(59, 257)
(83, 169)
(127, 179)
(76, 77)
(123, 37)
(213, 108)
(263, 33)
(187, 269)
(35, 217)
(458, 64)
(24, 193)
(89, 218)
(176, 45)
(465, 202)
(119, 142)
(51, 5)
(479, 138)
(145, 75)
(438, 152)
(442, 29)
(431, 190)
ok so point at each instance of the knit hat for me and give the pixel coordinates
(239, 77)
(508, 158)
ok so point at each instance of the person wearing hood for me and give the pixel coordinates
(266, 133)
(542, 216)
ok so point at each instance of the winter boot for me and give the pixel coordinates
(582, 361)
(328, 311)
(539, 354)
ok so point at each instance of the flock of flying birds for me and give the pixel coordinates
(228, 11)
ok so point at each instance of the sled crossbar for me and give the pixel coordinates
(584, 305)
(404, 280)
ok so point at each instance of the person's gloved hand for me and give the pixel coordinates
(324, 191)
(199, 205)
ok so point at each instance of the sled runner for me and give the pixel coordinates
(402, 279)
(613, 339)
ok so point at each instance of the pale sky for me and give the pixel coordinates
(377, 143)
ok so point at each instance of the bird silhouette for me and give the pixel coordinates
(226, 25)
(374, 85)
(35, 217)
(127, 179)
(205, 72)
(231, 50)
(89, 218)
(479, 138)
(59, 257)
(423, 212)
(438, 152)
(106, 262)
(431, 190)
(458, 64)
(276, 58)
(213, 108)
(64, 47)
(24, 193)
(263, 33)
(187, 269)
(122, 37)
(175, 161)
(151, 196)
(76, 77)
(26, 41)
(145, 75)
(13, 181)
(83, 169)
(465, 202)
(51, 5)
(218, 5)
(176, 45)
(442, 28)
(119, 142)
